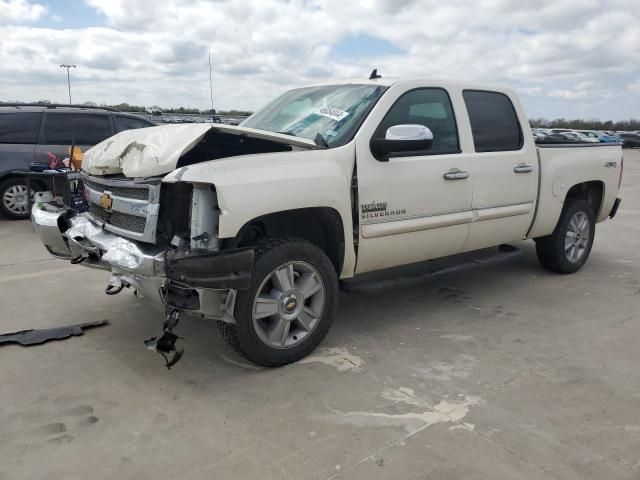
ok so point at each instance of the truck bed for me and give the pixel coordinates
(563, 165)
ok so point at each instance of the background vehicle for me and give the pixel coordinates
(629, 140)
(589, 134)
(558, 138)
(252, 226)
(580, 137)
(30, 132)
(608, 137)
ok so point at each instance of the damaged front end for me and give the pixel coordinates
(168, 251)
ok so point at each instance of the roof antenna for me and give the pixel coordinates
(374, 74)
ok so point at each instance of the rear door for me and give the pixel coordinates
(415, 205)
(62, 129)
(18, 134)
(505, 169)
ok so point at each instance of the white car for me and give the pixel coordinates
(591, 135)
(254, 225)
(580, 137)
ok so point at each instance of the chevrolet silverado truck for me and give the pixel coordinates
(254, 225)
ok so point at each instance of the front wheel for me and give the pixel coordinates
(289, 306)
(566, 250)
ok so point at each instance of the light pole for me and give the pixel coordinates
(68, 78)
(210, 83)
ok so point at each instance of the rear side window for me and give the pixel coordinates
(81, 129)
(124, 122)
(19, 127)
(494, 122)
(430, 107)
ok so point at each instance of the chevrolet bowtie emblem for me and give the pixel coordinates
(106, 201)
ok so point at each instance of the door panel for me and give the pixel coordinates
(505, 171)
(408, 210)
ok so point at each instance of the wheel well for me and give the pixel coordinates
(592, 192)
(321, 226)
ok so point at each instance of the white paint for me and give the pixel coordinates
(403, 395)
(460, 368)
(443, 412)
(337, 357)
(463, 426)
(458, 338)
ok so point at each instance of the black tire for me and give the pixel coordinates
(551, 250)
(5, 186)
(271, 254)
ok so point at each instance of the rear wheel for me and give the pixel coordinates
(289, 306)
(566, 250)
(14, 202)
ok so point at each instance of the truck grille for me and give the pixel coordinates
(137, 193)
(118, 219)
(133, 208)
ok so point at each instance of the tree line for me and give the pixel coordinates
(581, 124)
(125, 107)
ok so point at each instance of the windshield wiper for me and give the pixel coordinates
(283, 132)
(320, 141)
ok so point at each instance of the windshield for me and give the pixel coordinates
(334, 112)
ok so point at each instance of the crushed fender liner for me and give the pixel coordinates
(211, 269)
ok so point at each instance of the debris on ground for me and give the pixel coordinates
(42, 335)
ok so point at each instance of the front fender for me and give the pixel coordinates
(251, 186)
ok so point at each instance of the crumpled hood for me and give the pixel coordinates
(147, 152)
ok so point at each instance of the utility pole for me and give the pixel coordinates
(68, 67)
(210, 82)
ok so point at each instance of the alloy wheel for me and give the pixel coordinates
(288, 305)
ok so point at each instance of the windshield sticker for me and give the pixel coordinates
(331, 133)
(332, 113)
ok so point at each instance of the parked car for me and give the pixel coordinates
(608, 137)
(557, 138)
(253, 226)
(542, 132)
(30, 132)
(580, 137)
(590, 134)
(630, 140)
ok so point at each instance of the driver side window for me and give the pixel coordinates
(430, 107)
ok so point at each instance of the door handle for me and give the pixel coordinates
(455, 174)
(523, 168)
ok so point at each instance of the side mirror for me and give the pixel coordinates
(402, 138)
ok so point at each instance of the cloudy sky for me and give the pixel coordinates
(569, 58)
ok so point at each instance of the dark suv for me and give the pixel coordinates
(629, 140)
(32, 132)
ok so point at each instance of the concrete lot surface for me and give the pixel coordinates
(502, 372)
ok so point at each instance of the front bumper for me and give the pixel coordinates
(144, 267)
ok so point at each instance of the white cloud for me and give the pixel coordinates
(576, 57)
(18, 11)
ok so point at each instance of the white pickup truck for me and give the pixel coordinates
(254, 225)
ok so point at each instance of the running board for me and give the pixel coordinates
(407, 275)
